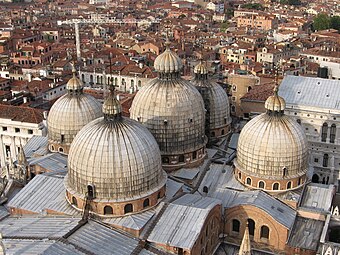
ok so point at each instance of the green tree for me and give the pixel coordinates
(224, 26)
(335, 22)
(255, 6)
(321, 22)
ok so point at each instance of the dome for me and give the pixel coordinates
(272, 148)
(119, 159)
(275, 102)
(168, 61)
(201, 68)
(218, 120)
(173, 110)
(69, 114)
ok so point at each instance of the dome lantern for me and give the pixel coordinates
(201, 71)
(168, 64)
(275, 104)
(112, 108)
(74, 85)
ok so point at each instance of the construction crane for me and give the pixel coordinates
(98, 20)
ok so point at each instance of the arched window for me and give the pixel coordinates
(91, 78)
(194, 155)
(239, 175)
(74, 201)
(61, 149)
(128, 208)
(284, 171)
(324, 132)
(165, 160)
(108, 210)
(299, 181)
(132, 83)
(90, 191)
(212, 134)
(332, 134)
(236, 226)
(139, 84)
(261, 184)
(116, 81)
(83, 77)
(52, 148)
(251, 227)
(325, 160)
(315, 178)
(249, 88)
(276, 186)
(222, 132)
(205, 189)
(298, 121)
(264, 232)
(159, 195)
(248, 181)
(146, 203)
(181, 158)
(289, 185)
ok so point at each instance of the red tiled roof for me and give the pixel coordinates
(22, 114)
(259, 93)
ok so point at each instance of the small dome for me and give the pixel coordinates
(117, 156)
(69, 114)
(74, 83)
(273, 147)
(275, 103)
(112, 107)
(168, 61)
(201, 68)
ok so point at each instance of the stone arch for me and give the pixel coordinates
(315, 178)
(276, 186)
(128, 208)
(108, 210)
(248, 181)
(261, 184)
(146, 203)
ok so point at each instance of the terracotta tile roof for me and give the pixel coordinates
(259, 93)
(22, 114)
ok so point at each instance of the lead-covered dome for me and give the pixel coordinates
(173, 110)
(119, 161)
(69, 114)
(272, 152)
(218, 120)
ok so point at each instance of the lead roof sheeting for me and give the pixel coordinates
(176, 228)
(136, 221)
(172, 187)
(278, 210)
(34, 144)
(3, 212)
(186, 173)
(306, 233)
(233, 141)
(53, 162)
(38, 194)
(146, 252)
(99, 239)
(197, 201)
(37, 227)
(34, 247)
(308, 91)
(318, 197)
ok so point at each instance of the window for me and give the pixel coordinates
(239, 175)
(146, 203)
(30, 131)
(212, 134)
(108, 210)
(194, 155)
(165, 160)
(52, 148)
(74, 201)
(128, 208)
(332, 134)
(61, 149)
(316, 160)
(90, 191)
(284, 171)
(205, 189)
(17, 130)
(324, 132)
(236, 225)
(248, 181)
(62, 138)
(289, 185)
(298, 121)
(264, 232)
(181, 158)
(261, 184)
(325, 160)
(276, 186)
(251, 227)
(4, 128)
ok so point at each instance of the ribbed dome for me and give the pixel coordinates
(173, 110)
(74, 83)
(69, 114)
(119, 157)
(168, 61)
(216, 103)
(201, 68)
(275, 103)
(272, 146)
